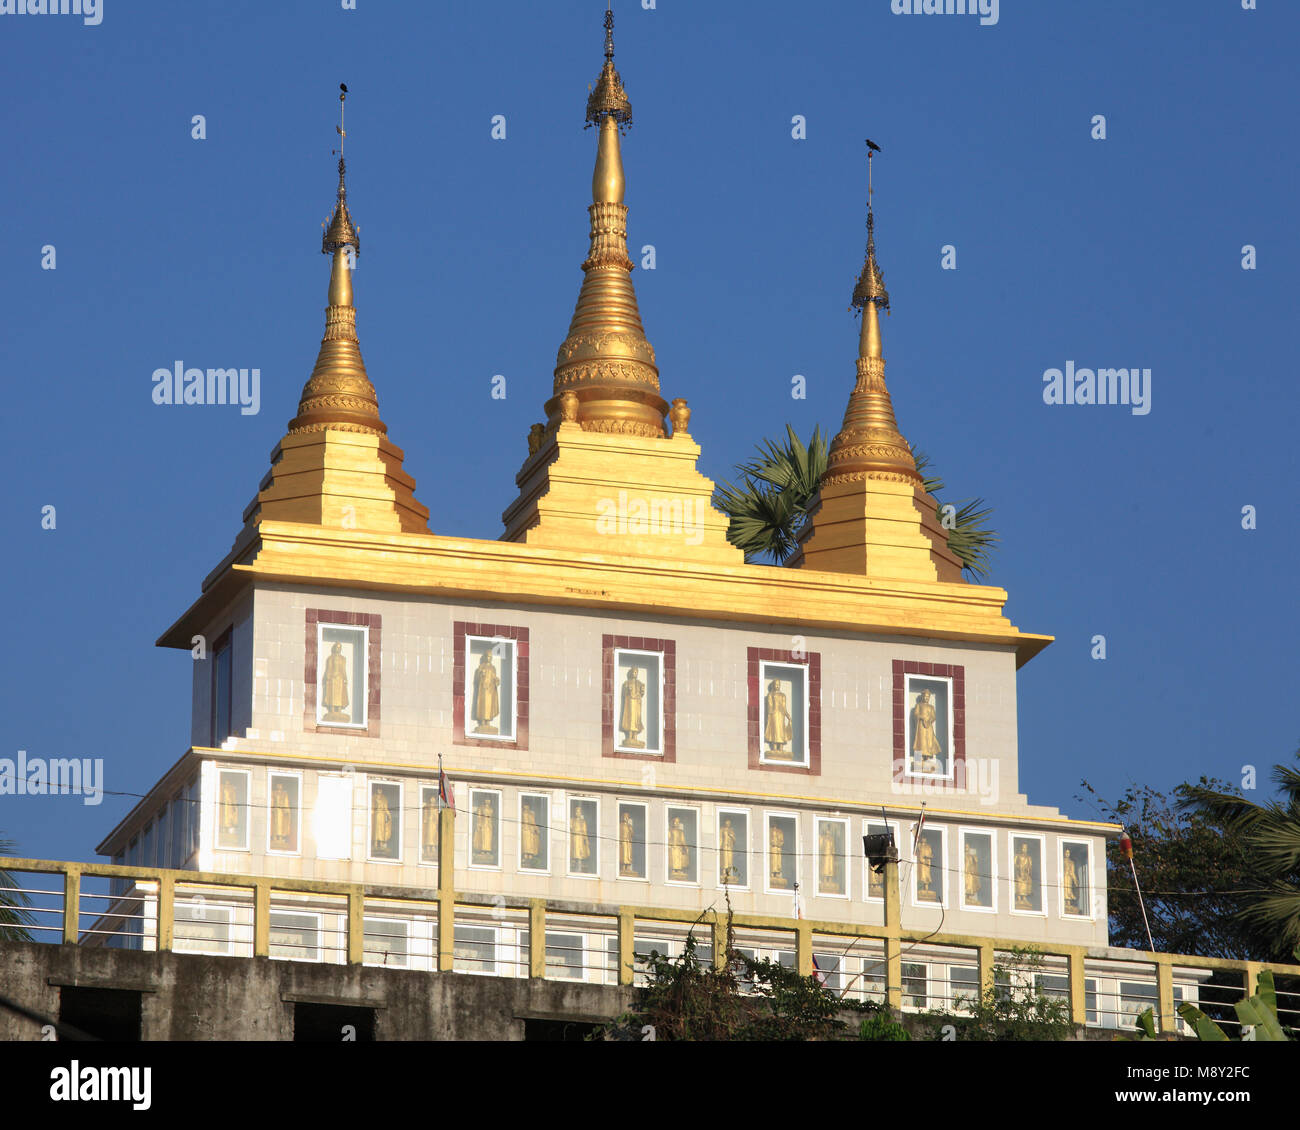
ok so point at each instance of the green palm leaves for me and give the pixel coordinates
(768, 504)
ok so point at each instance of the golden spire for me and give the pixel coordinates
(606, 359)
(869, 444)
(339, 395)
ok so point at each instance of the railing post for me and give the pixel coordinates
(719, 942)
(626, 946)
(166, 911)
(536, 937)
(803, 959)
(356, 924)
(446, 890)
(71, 903)
(1165, 993)
(986, 960)
(1078, 987)
(262, 918)
(893, 938)
(1251, 974)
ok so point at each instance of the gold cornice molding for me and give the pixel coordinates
(518, 573)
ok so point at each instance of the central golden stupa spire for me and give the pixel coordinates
(605, 359)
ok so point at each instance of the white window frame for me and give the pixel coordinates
(804, 761)
(1042, 871)
(397, 816)
(248, 813)
(322, 654)
(817, 858)
(1089, 890)
(496, 829)
(319, 959)
(271, 775)
(669, 810)
(960, 870)
(645, 842)
(908, 696)
(593, 835)
(894, 826)
(941, 866)
(513, 646)
(660, 660)
(795, 884)
(746, 847)
(545, 833)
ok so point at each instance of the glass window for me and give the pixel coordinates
(385, 837)
(295, 937)
(631, 841)
(476, 949)
(915, 994)
(491, 680)
(534, 832)
(584, 836)
(733, 848)
(232, 809)
(342, 697)
(282, 818)
(201, 927)
(387, 942)
(564, 956)
(783, 713)
(222, 690)
(638, 701)
(683, 845)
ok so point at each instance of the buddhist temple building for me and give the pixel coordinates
(623, 710)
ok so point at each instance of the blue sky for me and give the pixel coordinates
(1123, 252)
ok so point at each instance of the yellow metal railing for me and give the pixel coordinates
(624, 920)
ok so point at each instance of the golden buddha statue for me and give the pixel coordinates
(334, 689)
(487, 698)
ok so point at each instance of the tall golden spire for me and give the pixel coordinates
(606, 359)
(871, 514)
(869, 442)
(338, 394)
(337, 467)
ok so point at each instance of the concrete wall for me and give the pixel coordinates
(195, 997)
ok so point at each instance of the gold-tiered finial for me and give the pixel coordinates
(605, 359)
(869, 444)
(339, 395)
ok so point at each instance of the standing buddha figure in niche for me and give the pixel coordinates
(579, 843)
(830, 872)
(631, 718)
(1024, 879)
(381, 821)
(530, 837)
(925, 871)
(487, 697)
(429, 835)
(626, 831)
(727, 852)
(972, 876)
(229, 808)
(484, 831)
(679, 855)
(779, 730)
(334, 692)
(776, 857)
(1070, 883)
(281, 817)
(926, 749)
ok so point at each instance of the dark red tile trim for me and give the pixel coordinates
(958, 675)
(608, 695)
(461, 629)
(370, 620)
(813, 661)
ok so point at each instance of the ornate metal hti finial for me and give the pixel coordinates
(341, 231)
(608, 99)
(871, 283)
